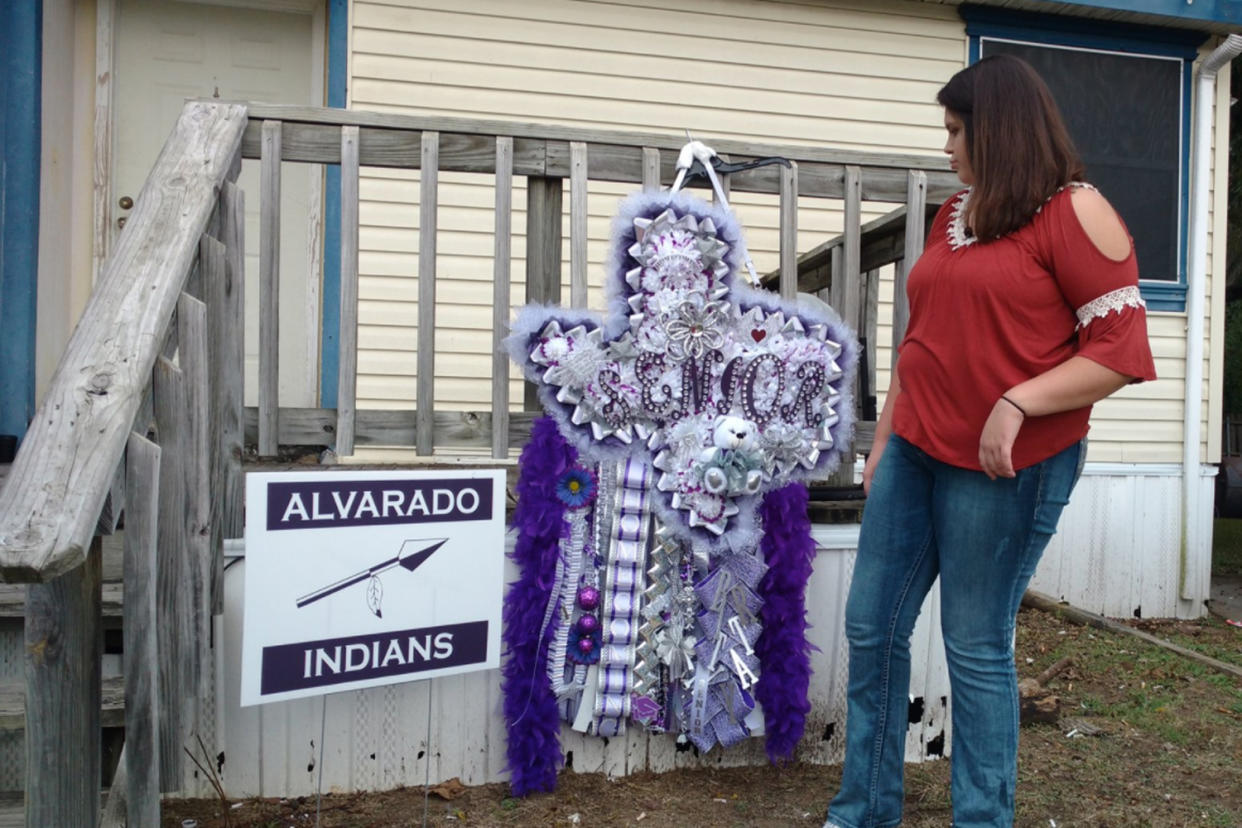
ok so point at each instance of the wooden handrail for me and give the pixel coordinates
(554, 132)
(312, 135)
(882, 240)
(53, 493)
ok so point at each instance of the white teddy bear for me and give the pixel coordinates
(730, 466)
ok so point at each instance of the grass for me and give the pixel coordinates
(1182, 718)
(1227, 547)
(1146, 695)
(1218, 643)
(1153, 689)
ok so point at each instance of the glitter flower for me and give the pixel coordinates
(696, 328)
(675, 262)
(577, 487)
(584, 647)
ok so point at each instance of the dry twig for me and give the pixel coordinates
(213, 778)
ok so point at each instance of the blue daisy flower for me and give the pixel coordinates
(584, 647)
(577, 487)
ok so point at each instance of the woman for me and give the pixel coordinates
(1024, 311)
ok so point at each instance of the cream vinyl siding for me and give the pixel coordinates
(850, 75)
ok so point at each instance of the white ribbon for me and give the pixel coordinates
(698, 151)
(565, 589)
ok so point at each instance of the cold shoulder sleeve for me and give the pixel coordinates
(1103, 292)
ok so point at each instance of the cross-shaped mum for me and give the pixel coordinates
(727, 392)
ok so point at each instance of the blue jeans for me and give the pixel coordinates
(925, 518)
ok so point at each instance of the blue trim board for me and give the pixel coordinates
(329, 354)
(1164, 296)
(1062, 30)
(1188, 105)
(1059, 30)
(21, 57)
(1208, 11)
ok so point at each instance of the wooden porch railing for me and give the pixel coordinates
(547, 156)
(145, 413)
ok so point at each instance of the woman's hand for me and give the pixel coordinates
(996, 442)
(1073, 384)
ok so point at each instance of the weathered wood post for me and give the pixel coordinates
(577, 224)
(544, 197)
(142, 678)
(174, 625)
(789, 232)
(225, 292)
(428, 201)
(916, 219)
(347, 373)
(269, 289)
(847, 289)
(192, 356)
(63, 657)
(501, 275)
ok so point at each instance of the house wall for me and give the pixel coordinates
(839, 73)
(66, 178)
(1115, 550)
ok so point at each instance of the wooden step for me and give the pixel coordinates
(13, 704)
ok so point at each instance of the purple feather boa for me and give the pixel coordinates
(531, 715)
(784, 652)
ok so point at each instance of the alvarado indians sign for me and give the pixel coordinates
(358, 579)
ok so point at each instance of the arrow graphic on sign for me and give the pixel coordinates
(412, 555)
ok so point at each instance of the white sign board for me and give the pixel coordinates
(359, 579)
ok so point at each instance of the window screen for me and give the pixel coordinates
(1124, 113)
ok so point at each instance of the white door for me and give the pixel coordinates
(170, 50)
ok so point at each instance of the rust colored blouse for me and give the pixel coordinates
(987, 316)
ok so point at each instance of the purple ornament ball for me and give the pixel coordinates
(588, 624)
(588, 598)
(586, 646)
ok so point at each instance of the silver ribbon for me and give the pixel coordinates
(622, 589)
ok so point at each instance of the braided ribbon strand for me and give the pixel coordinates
(623, 582)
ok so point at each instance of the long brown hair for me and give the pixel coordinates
(1019, 149)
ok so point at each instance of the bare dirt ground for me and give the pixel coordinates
(1145, 738)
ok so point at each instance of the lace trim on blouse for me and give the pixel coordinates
(1117, 300)
(960, 236)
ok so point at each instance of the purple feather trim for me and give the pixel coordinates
(531, 714)
(783, 650)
